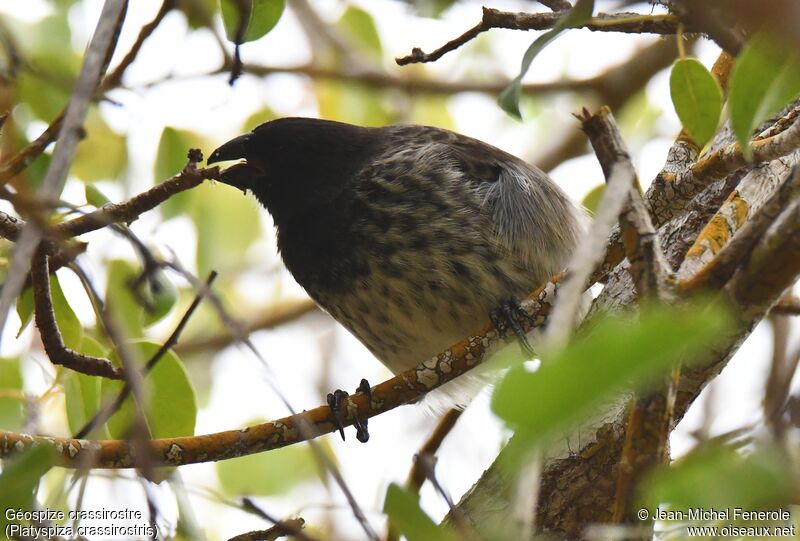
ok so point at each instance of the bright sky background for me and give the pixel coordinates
(209, 106)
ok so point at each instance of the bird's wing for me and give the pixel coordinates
(532, 216)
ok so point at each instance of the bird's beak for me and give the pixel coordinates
(239, 175)
(235, 149)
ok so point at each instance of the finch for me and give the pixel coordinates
(409, 236)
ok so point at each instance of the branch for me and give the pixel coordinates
(284, 528)
(417, 475)
(590, 252)
(578, 480)
(404, 388)
(189, 177)
(53, 343)
(109, 409)
(17, 163)
(720, 269)
(633, 23)
(787, 305)
(411, 84)
(648, 424)
(730, 158)
(94, 64)
(114, 79)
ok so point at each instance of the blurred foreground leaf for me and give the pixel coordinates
(19, 480)
(614, 356)
(765, 78)
(720, 477)
(171, 409)
(82, 392)
(409, 519)
(12, 412)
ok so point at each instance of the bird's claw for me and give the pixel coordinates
(362, 433)
(335, 400)
(507, 316)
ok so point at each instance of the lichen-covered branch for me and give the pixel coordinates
(401, 389)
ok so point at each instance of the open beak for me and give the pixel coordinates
(239, 175)
(235, 149)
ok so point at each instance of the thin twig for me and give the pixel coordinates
(189, 177)
(105, 413)
(787, 305)
(114, 78)
(279, 314)
(590, 251)
(94, 63)
(416, 476)
(634, 23)
(53, 343)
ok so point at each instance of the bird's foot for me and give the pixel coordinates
(507, 316)
(335, 401)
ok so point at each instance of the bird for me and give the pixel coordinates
(407, 235)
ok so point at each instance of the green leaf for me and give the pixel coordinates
(162, 295)
(592, 199)
(614, 356)
(12, 411)
(121, 303)
(68, 322)
(199, 13)
(226, 223)
(359, 27)
(265, 114)
(82, 392)
(260, 16)
(717, 477)
(509, 97)
(170, 159)
(279, 470)
(94, 196)
(409, 519)
(697, 98)
(102, 154)
(46, 43)
(357, 104)
(170, 409)
(19, 480)
(765, 78)
(24, 309)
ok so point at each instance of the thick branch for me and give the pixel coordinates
(730, 158)
(720, 269)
